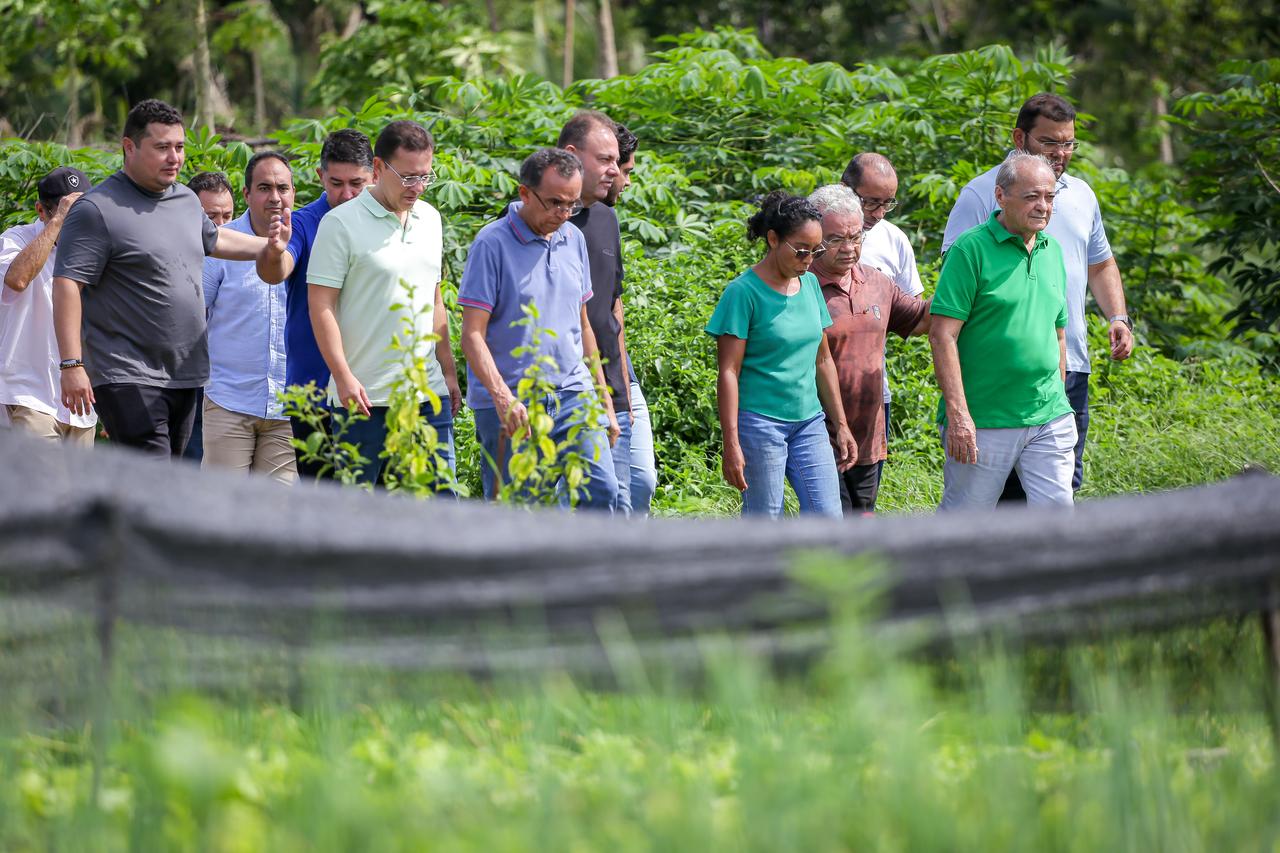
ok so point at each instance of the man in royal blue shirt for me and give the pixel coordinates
(346, 167)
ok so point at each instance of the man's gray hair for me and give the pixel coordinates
(1014, 164)
(838, 199)
(565, 163)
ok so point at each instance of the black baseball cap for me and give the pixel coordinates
(63, 180)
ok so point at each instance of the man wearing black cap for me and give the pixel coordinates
(128, 278)
(30, 395)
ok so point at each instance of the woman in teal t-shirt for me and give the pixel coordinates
(776, 373)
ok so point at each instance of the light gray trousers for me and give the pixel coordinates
(1043, 456)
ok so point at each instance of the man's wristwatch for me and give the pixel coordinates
(68, 363)
(1123, 318)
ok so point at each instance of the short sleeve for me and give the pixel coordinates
(969, 211)
(905, 313)
(11, 243)
(733, 313)
(480, 277)
(84, 245)
(910, 282)
(297, 247)
(209, 233)
(957, 285)
(1061, 322)
(211, 276)
(617, 292)
(331, 254)
(1099, 245)
(824, 314)
(587, 292)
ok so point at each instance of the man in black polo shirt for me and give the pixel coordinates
(127, 291)
(591, 136)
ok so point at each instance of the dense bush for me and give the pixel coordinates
(721, 122)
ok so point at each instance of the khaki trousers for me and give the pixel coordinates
(247, 443)
(48, 427)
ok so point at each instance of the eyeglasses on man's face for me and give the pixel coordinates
(573, 208)
(870, 204)
(408, 181)
(835, 244)
(1053, 145)
(806, 254)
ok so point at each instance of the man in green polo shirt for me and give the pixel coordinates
(375, 261)
(999, 349)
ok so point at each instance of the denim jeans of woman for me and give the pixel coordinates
(798, 452)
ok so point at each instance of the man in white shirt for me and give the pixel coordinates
(885, 246)
(1046, 125)
(30, 388)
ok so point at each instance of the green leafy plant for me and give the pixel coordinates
(534, 468)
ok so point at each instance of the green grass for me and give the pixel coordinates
(1108, 746)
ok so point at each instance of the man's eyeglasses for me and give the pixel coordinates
(874, 203)
(572, 208)
(806, 254)
(835, 244)
(1065, 147)
(408, 181)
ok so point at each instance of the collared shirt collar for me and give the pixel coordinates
(1001, 233)
(525, 234)
(375, 207)
(846, 281)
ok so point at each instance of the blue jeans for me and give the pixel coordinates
(565, 408)
(621, 452)
(800, 452)
(644, 467)
(371, 437)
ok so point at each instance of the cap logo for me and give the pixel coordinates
(73, 180)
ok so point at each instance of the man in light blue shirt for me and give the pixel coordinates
(245, 427)
(1046, 126)
(534, 255)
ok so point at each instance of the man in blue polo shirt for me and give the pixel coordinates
(346, 168)
(534, 255)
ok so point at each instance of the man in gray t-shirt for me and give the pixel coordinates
(128, 277)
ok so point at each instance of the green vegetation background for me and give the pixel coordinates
(1146, 743)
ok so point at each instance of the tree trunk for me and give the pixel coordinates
(608, 45)
(259, 92)
(541, 48)
(74, 136)
(492, 8)
(1166, 141)
(568, 42)
(204, 70)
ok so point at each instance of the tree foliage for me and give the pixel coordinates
(1234, 173)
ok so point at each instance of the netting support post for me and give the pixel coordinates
(108, 521)
(1271, 643)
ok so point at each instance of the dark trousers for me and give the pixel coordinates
(195, 444)
(308, 470)
(1078, 395)
(370, 435)
(859, 487)
(154, 420)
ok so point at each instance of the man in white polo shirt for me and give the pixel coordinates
(30, 384)
(365, 252)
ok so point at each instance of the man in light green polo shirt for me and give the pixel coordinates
(384, 249)
(999, 349)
